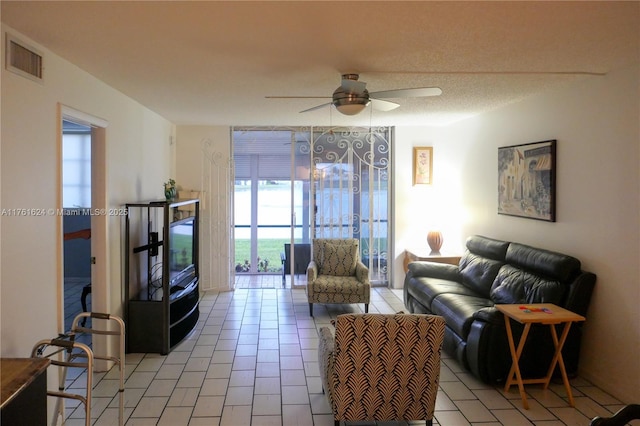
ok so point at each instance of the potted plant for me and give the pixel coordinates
(170, 189)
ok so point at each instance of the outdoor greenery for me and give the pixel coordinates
(268, 253)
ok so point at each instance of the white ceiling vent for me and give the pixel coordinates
(23, 59)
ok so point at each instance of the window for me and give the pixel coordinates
(76, 165)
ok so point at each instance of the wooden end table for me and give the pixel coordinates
(412, 255)
(537, 313)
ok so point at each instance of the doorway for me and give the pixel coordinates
(295, 184)
(76, 220)
(82, 179)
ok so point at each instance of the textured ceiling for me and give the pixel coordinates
(212, 62)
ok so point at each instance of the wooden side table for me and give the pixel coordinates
(412, 255)
(24, 391)
(537, 313)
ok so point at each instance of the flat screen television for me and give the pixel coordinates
(182, 253)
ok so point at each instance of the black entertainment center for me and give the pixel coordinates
(161, 273)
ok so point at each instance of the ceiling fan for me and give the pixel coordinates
(352, 96)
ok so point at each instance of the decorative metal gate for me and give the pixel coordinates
(351, 191)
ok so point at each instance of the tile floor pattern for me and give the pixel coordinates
(252, 360)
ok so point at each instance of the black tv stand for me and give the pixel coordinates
(162, 296)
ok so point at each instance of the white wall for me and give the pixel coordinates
(138, 161)
(419, 209)
(596, 124)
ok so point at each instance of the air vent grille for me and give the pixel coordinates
(24, 59)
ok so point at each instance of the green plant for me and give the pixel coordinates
(170, 189)
(171, 183)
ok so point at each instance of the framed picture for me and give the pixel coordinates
(527, 180)
(422, 165)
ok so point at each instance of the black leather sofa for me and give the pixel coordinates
(495, 272)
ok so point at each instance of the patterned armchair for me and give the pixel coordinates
(382, 367)
(336, 274)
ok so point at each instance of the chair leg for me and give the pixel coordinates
(310, 309)
(83, 297)
(366, 308)
(86, 290)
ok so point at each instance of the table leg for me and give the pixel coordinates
(557, 359)
(515, 356)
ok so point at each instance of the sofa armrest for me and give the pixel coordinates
(579, 294)
(435, 270)
(490, 315)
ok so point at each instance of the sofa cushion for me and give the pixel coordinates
(487, 247)
(333, 289)
(339, 259)
(478, 273)
(458, 310)
(429, 288)
(514, 285)
(542, 262)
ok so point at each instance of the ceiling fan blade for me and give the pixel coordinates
(381, 105)
(317, 107)
(297, 97)
(418, 92)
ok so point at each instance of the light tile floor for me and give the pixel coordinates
(252, 360)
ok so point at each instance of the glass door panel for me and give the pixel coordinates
(242, 225)
(273, 224)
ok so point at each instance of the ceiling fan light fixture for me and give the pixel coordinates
(348, 103)
(350, 108)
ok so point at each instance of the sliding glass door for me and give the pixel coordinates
(292, 185)
(271, 197)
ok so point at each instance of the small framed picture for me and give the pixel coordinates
(422, 165)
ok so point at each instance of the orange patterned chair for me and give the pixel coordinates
(382, 367)
(336, 274)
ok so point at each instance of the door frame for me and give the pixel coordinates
(100, 301)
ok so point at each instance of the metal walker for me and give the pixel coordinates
(66, 342)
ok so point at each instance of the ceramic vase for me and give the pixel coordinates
(170, 192)
(435, 240)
